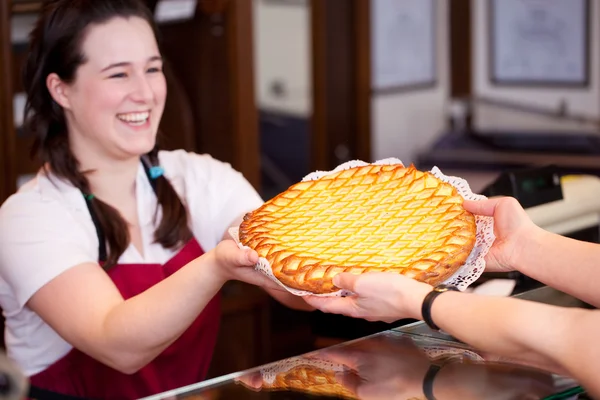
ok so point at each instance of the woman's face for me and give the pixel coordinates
(114, 105)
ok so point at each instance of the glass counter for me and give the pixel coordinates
(409, 362)
(388, 365)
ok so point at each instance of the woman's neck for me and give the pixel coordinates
(114, 180)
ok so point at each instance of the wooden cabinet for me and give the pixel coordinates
(8, 157)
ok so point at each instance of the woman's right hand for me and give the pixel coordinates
(512, 227)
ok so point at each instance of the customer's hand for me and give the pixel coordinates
(232, 263)
(512, 227)
(378, 296)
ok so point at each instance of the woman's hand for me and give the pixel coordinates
(378, 296)
(233, 263)
(512, 227)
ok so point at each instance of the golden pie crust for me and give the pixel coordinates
(387, 218)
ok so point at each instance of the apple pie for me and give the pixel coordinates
(387, 218)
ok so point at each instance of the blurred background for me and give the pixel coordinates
(504, 93)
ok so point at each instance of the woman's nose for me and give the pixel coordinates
(142, 90)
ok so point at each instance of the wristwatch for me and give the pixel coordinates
(428, 301)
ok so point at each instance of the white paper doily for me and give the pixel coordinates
(462, 278)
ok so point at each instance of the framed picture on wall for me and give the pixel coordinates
(403, 45)
(539, 42)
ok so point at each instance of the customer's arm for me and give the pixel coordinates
(522, 330)
(558, 338)
(566, 264)
(569, 265)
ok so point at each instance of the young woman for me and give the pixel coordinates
(562, 339)
(111, 259)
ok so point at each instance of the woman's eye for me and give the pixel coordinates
(154, 69)
(119, 75)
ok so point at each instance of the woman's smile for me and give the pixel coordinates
(135, 119)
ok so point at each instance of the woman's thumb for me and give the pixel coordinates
(229, 252)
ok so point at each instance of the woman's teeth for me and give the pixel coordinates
(134, 118)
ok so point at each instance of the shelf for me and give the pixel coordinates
(26, 6)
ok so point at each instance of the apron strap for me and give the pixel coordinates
(43, 394)
(102, 253)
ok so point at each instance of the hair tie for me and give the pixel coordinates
(156, 171)
(88, 196)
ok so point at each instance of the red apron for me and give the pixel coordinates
(184, 362)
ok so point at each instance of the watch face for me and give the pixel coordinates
(444, 288)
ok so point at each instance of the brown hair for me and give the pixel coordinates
(56, 47)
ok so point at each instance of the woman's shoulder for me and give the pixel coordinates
(195, 167)
(42, 199)
(180, 161)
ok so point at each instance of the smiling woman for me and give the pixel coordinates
(103, 84)
(112, 258)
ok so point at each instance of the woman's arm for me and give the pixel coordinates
(84, 306)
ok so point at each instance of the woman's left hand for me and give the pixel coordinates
(378, 296)
(233, 263)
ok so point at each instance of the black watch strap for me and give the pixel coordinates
(428, 302)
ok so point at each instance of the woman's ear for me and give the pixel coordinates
(58, 90)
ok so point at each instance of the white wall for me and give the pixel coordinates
(406, 123)
(282, 53)
(402, 124)
(580, 101)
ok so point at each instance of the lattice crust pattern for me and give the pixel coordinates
(374, 217)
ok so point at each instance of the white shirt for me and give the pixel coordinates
(46, 228)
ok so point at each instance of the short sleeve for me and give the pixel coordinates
(215, 192)
(39, 240)
(236, 197)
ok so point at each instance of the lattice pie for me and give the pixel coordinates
(370, 218)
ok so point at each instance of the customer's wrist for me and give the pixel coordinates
(526, 243)
(428, 301)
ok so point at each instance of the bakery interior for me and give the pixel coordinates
(281, 88)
